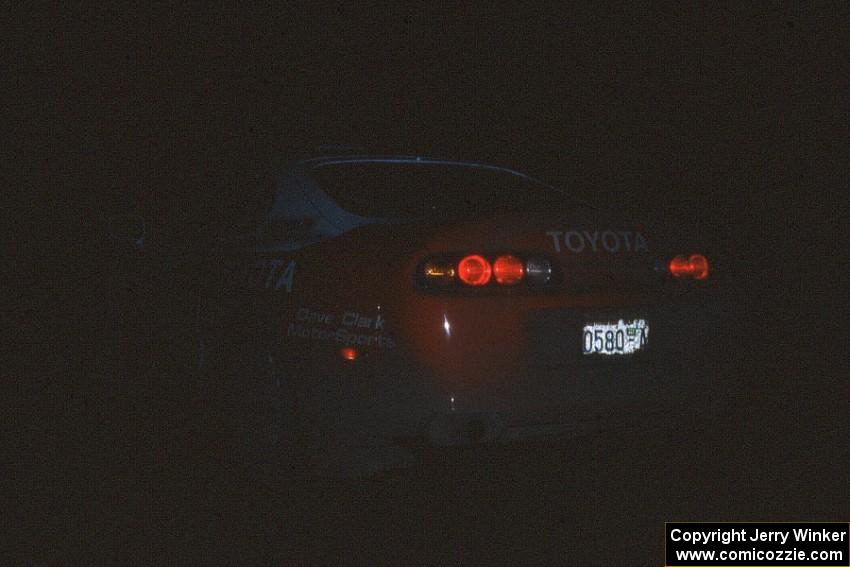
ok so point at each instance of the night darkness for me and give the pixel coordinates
(729, 120)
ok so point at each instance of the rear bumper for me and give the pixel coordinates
(460, 429)
(552, 392)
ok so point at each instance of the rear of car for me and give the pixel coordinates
(449, 303)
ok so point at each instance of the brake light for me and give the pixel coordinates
(348, 353)
(508, 270)
(474, 270)
(699, 266)
(695, 266)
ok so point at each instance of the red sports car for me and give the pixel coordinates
(389, 303)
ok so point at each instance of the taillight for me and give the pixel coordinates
(474, 270)
(508, 270)
(440, 273)
(348, 353)
(699, 266)
(694, 266)
(538, 271)
(477, 270)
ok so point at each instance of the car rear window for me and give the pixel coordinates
(410, 190)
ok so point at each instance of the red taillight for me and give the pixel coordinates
(695, 266)
(680, 267)
(699, 266)
(508, 270)
(348, 353)
(474, 270)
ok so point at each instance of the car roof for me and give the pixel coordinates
(320, 161)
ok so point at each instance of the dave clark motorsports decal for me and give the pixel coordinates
(350, 328)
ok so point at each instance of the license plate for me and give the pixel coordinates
(622, 337)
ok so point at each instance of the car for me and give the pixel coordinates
(382, 304)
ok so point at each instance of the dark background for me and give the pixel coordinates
(731, 120)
